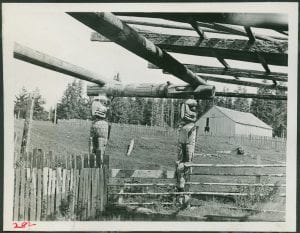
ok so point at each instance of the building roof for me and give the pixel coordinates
(245, 118)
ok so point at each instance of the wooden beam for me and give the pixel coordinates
(199, 30)
(41, 59)
(250, 34)
(243, 73)
(234, 165)
(206, 27)
(119, 32)
(151, 90)
(244, 83)
(274, 21)
(236, 49)
(251, 95)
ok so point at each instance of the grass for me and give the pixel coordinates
(154, 150)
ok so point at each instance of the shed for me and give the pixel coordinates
(227, 122)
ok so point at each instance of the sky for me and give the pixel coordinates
(58, 34)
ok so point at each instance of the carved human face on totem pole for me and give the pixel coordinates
(100, 107)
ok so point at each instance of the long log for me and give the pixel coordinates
(119, 32)
(244, 83)
(274, 53)
(27, 54)
(251, 95)
(158, 92)
(273, 21)
(206, 27)
(243, 73)
(235, 165)
(150, 90)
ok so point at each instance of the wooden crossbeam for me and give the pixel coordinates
(234, 165)
(243, 73)
(274, 21)
(122, 34)
(251, 95)
(41, 59)
(236, 49)
(250, 34)
(244, 83)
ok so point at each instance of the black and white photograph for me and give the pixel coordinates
(150, 116)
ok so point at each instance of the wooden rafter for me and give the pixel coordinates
(273, 21)
(273, 53)
(243, 73)
(251, 95)
(119, 32)
(243, 83)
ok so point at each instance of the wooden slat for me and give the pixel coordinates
(252, 95)
(162, 174)
(39, 194)
(17, 194)
(63, 185)
(89, 192)
(33, 195)
(235, 165)
(22, 194)
(93, 191)
(49, 190)
(45, 193)
(236, 49)
(243, 73)
(234, 174)
(58, 187)
(52, 195)
(98, 189)
(80, 193)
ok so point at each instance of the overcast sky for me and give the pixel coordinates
(58, 34)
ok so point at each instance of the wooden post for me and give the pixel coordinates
(27, 125)
(55, 108)
(172, 114)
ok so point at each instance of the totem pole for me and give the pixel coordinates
(186, 142)
(99, 131)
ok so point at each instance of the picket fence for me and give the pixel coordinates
(49, 187)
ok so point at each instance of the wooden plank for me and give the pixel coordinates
(49, 188)
(63, 186)
(275, 21)
(251, 95)
(243, 73)
(80, 194)
(244, 83)
(52, 194)
(33, 195)
(235, 174)
(98, 190)
(89, 194)
(17, 193)
(76, 198)
(44, 206)
(274, 53)
(234, 165)
(131, 40)
(22, 195)
(39, 196)
(159, 174)
(58, 188)
(93, 192)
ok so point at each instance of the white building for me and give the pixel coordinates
(228, 122)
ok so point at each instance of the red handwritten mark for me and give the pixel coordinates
(23, 224)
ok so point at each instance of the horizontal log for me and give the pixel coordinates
(274, 21)
(196, 183)
(113, 28)
(242, 73)
(244, 83)
(236, 174)
(190, 193)
(234, 165)
(150, 90)
(29, 55)
(198, 205)
(251, 95)
(159, 174)
(275, 53)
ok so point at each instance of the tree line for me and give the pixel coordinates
(152, 111)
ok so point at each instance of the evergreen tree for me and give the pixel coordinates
(73, 105)
(241, 104)
(21, 103)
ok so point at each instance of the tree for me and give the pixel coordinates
(20, 107)
(73, 105)
(241, 104)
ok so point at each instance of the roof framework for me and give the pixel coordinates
(253, 47)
